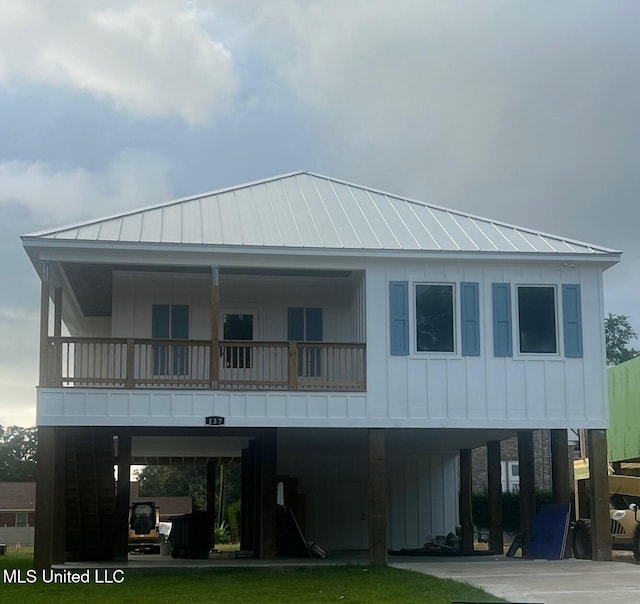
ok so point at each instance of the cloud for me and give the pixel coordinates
(515, 110)
(36, 195)
(59, 194)
(18, 372)
(149, 57)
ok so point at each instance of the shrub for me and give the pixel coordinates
(233, 516)
(510, 509)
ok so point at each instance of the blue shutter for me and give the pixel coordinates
(399, 317)
(160, 321)
(470, 313)
(314, 325)
(502, 333)
(572, 319)
(295, 324)
(180, 322)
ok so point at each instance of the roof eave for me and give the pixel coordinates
(603, 256)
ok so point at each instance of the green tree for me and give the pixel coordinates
(18, 448)
(619, 334)
(175, 481)
(191, 481)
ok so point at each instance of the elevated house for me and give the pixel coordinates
(349, 344)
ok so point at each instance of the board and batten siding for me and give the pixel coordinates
(455, 390)
(435, 390)
(331, 468)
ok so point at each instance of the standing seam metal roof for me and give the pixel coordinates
(306, 210)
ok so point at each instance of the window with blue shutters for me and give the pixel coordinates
(170, 322)
(435, 325)
(537, 324)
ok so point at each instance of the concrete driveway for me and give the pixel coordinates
(551, 582)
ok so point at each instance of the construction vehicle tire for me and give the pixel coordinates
(581, 540)
(635, 544)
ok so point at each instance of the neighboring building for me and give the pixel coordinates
(169, 506)
(17, 504)
(354, 343)
(510, 466)
(623, 438)
(17, 513)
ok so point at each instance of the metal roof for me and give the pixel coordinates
(306, 210)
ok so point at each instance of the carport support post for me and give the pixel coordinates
(494, 488)
(45, 492)
(377, 498)
(466, 515)
(268, 443)
(560, 466)
(527, 486)
(599, 495)
(123, 491)
(212, 466)
(59, 531)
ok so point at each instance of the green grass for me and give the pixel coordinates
(231, 586)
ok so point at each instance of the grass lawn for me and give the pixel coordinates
(230, 586)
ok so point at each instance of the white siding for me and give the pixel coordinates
(331, 468)
(418, 390)
(453, 390)
(269, 297)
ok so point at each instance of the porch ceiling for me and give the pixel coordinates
(152, 460)
(420, 440)
(184, 450)
(92, 284)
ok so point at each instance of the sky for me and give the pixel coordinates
(520, 111)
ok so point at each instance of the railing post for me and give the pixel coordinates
(293, 365)
(44, 326)
(131, 363)
(214, 362)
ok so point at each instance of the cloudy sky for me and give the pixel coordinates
(527, 112)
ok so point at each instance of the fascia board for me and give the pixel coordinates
(79, 250)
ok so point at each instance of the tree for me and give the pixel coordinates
(175, 481)
(18, 453)
(619, 334)
(191, 481)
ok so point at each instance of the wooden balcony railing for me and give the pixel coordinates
(237, 365)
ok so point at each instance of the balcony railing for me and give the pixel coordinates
(237, 365)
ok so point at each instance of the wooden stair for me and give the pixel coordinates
(90, 498)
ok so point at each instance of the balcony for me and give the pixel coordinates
(235, 365)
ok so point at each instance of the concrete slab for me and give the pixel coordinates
(550, 582)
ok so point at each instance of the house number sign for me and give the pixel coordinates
(214, 420)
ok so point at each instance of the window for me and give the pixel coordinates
(305, 325)
(22, 519)
(237, 326)
(170, 322)
(537, 319)
(434, 318)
